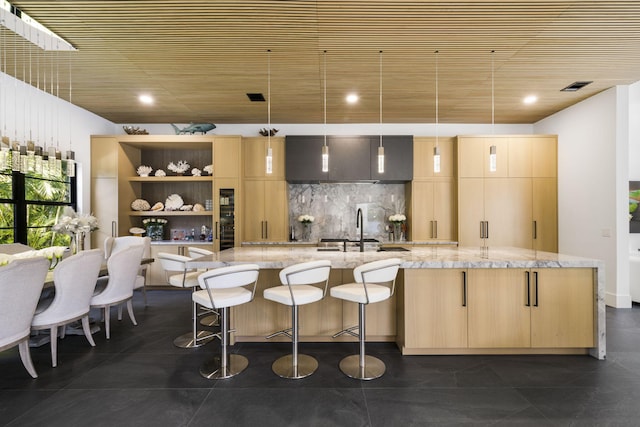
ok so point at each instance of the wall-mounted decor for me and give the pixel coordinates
(634, 206)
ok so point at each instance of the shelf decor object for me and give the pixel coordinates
(180, 168)
(144, 170)
(140, 205)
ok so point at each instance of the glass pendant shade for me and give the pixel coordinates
(269, 161)
(4, 154)
(15, 156)
(71, 164)
(493, 159)
(436, 159)
(58, 164)
(325, 158)
(381, 159)
(31, 157)
(24, 159)
(52, 161)
(38, 160)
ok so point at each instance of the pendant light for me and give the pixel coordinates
(325, 148)
(16, 149)
(436, 149)
(71, 156)
(493, 155)
(269, 158)
(380, 148)
(4, 139)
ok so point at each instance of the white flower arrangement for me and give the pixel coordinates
(306, 219)
(397, 218)
(144, 170)
(196, 172)
(160, 173)
(181, 167)
(208, 169)
(72, 223)
(154, 221)
(53, 253)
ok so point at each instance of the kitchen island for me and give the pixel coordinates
(448, 300)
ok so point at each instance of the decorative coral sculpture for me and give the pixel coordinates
(181, 167)
(196, 172)
(144, 170)
(140, 205)
(173, 203)
(208, 169)
(160, 173)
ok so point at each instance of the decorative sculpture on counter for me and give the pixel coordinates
(266, 132)
(194, 127)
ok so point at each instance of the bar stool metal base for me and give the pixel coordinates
(283, 367)
(187, 341)
(214, 370)
(373, 367)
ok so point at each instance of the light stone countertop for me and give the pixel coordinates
(280, 256)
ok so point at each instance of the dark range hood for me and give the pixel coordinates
(351, 159)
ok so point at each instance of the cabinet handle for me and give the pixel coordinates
(113, 229)
(528, 282)
(266, 229)
(464, 288)
(431, 224)
(486, 229)
(535, 284)
(482, 229)
(217, 229)
(535, 229)
(435, 223)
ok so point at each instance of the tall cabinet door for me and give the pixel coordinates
(508, 212)
(254, 198)
(470, 211)
(444, 211)
(421, 210)
(276, 211)
(545, 214)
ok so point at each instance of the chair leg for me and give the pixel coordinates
(144, 292)
(25, 356)
(53, 334)
(87, 330)
(227, 365)
(294, 365)
(361, 366)
(119, 312)
(107, 315)
(130, 310)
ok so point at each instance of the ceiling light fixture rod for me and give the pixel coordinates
(269, 157)
(380, 148)
(436, 149)
(492, 92)
(325, 149)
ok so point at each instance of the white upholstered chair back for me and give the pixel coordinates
(123, 268)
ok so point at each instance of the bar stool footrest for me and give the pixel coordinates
(186, 340)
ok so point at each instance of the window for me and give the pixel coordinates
(31, 204)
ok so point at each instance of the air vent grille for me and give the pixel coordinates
(575, 86)
(256, 97)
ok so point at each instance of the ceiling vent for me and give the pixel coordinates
(256, 97)
(575, 86)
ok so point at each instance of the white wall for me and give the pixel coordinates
(592, 184)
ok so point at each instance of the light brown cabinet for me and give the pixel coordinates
(431, 195)
(517, 204)
(496, 310)
(266, 215)
(116, 185)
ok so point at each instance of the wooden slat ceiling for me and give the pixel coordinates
(199, 59)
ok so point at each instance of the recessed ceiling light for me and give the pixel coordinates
(531, 99)
(146, 99)
(352, 98)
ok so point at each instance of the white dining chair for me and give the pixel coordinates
(21, 283)
(123, 269)
(74, 280)
(115, 244)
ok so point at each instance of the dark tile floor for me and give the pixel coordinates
(138, 378)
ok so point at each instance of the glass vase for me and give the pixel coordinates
(397, 232)
(77, 241)
(155, 231)
(306, 232)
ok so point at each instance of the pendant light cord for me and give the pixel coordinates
(380, 98)
(437, 98)
(269, 98)
(492, 93)
(325, 96)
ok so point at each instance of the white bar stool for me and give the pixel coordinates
(214, 318)
(367, 289)
(223, 288)
(298, 289)
(177, 274)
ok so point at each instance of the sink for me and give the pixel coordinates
(393, 249)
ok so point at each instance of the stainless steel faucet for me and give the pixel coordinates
(360, 223)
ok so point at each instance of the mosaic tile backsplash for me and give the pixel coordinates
(334, 207)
